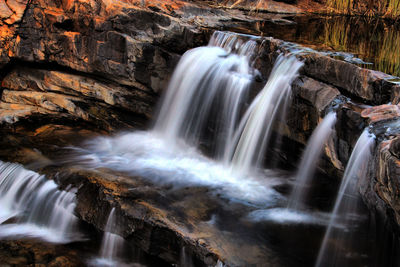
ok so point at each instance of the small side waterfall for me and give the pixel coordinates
(309, 161)
(344, 214)
(111, 244)
(42, 210)
(257, 124)
(185, 259)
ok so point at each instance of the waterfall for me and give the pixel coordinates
(185, 259)
(309, 161)
(206, 105)
(42, 210)
(209, 85)
(344, 214)
(257, 124)
(111, 244)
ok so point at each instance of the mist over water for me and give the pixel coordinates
(146, 154)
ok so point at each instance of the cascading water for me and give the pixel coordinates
(263, 113)
(111, 244)
(43, 211)
(344, 214)
(309, 161)
(203, 104)
(210, 84)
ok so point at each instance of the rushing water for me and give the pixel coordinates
(338, 239)
(42, 210)
(268, 107)
(209, 86)
(309, 161)
(111, 244)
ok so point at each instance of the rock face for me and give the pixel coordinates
(381, 190)
(40, 91)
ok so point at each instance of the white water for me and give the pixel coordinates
(263, 113)
(185, 259)
(110, 246)
(309, 161)
(41, 210)
(287, 216)
(344, 214)
(232, 43)
(146, 155)
(208, 89)
(209, 86)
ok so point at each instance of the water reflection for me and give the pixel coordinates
(373, 40)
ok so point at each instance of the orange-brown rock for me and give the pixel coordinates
(381, 113)
(381, 191)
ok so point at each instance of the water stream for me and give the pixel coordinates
(209, 86)
(266, 109)
(39, 208)
(375, 46)
(309, 162)
(345, 215)
(111, 245)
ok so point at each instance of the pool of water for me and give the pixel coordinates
(374, 41)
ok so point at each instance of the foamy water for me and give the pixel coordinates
(147, 155)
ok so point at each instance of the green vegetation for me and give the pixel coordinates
(393, 8)
(386, 8)
(375, 41)
(340, 5)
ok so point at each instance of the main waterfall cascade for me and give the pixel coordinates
(42, 210)
(210, 86)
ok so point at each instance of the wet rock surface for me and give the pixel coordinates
(33, 253)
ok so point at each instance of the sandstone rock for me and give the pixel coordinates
(311, 99)
(12, 113)
(34, 253)
(395, 97)
(162, 228)
(317, 93)
(137, 100)
(381, 191)
(381, 113)
(62, 95)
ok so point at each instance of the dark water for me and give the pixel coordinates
(375, 41)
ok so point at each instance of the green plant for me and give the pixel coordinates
(393, 8)
(341, 5)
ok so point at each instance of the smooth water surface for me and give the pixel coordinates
(374, 41)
